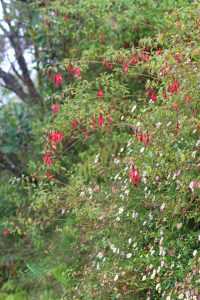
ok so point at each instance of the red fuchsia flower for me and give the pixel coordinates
(125, 67)
(74, 123)
(56, 137)
(58, 79)
(47, 159)
(100, 120)
(134, 60)
(152, 95)
(55, 108)
(174, 87)
(144, 138)
(134, 176)
(100, 93)
(6, 232)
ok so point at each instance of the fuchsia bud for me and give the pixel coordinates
(100, 120)
(58, 79)
(100, 93)
(134, 176)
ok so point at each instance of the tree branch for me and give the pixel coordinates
(11, 83)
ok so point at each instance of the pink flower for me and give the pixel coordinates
(144, 138)
(56, 137)
(47, 159)
(100, 93)
(55, 108)
(134, 176)
(58, 79)
(100, 120)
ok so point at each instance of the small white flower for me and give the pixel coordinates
(162, 263)
(118, 219)
(116, 277)
(144, 278)
(194, 253)
(181, 296)
(194, 154)
(153, 274)
(116, 161)
(134, 215)
(128, 255)
(158, 270)
(158, 124)
(152, 251)
(121, 209)
(133, 108)
(157, 286)
(135, 245)
(162, 207)
(142, 149)
(129, 241)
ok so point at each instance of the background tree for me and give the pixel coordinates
(15, 23)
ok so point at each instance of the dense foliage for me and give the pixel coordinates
(108, 206)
